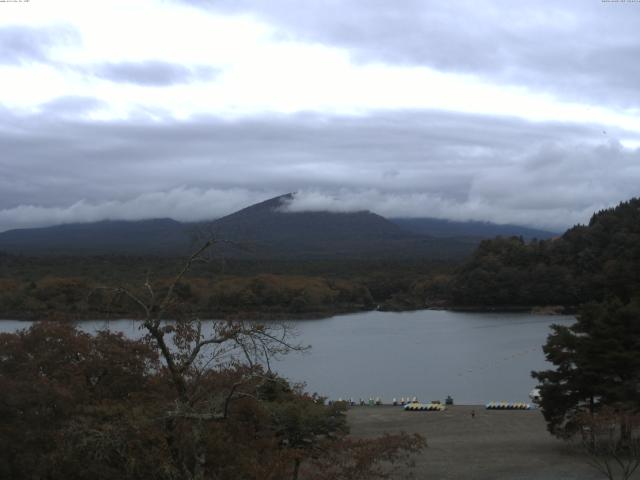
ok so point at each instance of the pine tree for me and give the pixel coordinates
(597, 364)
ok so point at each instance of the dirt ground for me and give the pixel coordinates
(495, 445)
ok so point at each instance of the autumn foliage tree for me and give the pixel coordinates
(53, 378)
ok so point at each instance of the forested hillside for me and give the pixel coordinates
(265, 231)
(440, 228)
(586, 263)
(161, 236)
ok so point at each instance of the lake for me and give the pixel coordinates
(474, 357)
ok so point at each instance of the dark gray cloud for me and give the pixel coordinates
(399, 163)
(577, 49)
(23, 44)
(153, 73)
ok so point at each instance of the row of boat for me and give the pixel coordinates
(432, 407)
(414, 405)
(508, 406)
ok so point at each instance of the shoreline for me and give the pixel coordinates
(548, 310)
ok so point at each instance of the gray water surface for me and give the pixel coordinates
(474, 357)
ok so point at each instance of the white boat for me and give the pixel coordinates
(534, 395)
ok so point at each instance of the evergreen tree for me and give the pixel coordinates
(597, 364)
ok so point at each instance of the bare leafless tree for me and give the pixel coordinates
(190, 348)
(611, 440)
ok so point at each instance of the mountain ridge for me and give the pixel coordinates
(267, 230)
(442, 228)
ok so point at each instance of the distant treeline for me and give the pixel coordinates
(85, 287)
(587, 263)
(260, 296)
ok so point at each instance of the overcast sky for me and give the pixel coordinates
(511, 112)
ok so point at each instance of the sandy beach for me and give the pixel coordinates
(495, 445)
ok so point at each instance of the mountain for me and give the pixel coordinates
(262, 230)
(157, 237)
(266, 228)
(448, 228)
(268, 222)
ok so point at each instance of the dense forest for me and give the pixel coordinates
(587, 263)
(73, 287)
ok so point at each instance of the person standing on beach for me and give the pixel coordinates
(473, 414)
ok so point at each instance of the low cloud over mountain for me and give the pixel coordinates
(503, 111)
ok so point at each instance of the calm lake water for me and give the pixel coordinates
(474, 357)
